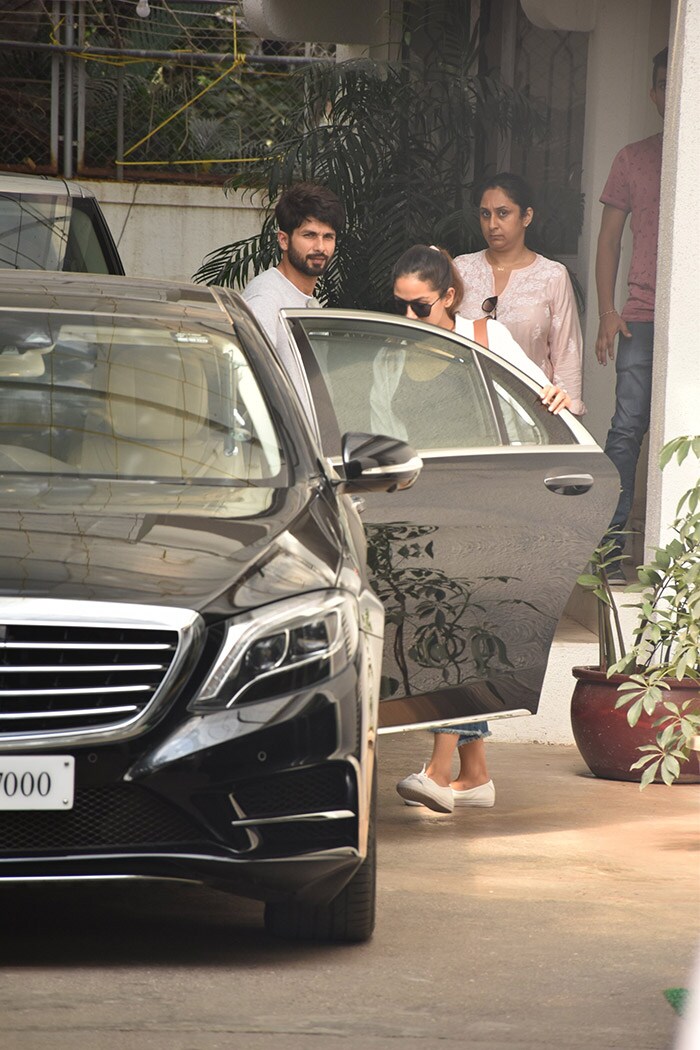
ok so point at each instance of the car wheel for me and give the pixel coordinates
(349, 917)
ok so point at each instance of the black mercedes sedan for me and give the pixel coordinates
(197, 563)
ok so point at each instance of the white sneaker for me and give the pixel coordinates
(483, 795)
(419, 788)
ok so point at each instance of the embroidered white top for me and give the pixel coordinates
(538, 308)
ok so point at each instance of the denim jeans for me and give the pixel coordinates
(468, 733)
(631, 419)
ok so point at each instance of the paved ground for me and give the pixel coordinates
(554, 921)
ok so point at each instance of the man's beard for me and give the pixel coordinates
(305, 265)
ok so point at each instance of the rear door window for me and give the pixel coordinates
(42, 232)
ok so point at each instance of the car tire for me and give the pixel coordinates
(349, 917)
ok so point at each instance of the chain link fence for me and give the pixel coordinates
(166, 89)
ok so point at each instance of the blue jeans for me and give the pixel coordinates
(468, 733)
(631, 419)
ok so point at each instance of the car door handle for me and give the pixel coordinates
(569, 484)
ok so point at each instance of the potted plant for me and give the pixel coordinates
(645, 697)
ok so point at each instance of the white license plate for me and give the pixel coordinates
(37, 782)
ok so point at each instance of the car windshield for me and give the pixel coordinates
(127, 398)
(46, 232)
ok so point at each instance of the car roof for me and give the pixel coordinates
(125, 296)
(41, 185)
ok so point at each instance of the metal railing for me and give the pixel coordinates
(90, 87)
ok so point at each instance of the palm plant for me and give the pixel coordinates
(396, 144)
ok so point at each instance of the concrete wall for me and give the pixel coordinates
(676, 404)
(166, 231)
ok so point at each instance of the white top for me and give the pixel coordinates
(266, 295)
(538, 308)
(501, 342)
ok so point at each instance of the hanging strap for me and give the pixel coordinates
(481, 334)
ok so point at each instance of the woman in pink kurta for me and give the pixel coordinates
(535, 298)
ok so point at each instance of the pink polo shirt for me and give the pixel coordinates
(634, 186)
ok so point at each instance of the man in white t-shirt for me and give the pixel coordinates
(309, 218)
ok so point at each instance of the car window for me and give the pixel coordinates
(85, 251)
(33, 231)
(411, 384)
(525, 420)
(127, 398)
(43, 232)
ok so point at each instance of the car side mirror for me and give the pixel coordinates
(377, 463)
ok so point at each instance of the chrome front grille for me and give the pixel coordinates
(88, 674)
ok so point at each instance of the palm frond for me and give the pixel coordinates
(396, 144)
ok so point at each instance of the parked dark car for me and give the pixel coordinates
(53, 224)
(190, 633)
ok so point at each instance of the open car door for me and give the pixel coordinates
(475, 563)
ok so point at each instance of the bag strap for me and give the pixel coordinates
(481, 334)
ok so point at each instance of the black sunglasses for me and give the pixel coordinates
(419, 308)
(489, 305)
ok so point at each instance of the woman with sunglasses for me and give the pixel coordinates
(428, 288)
(535, 299)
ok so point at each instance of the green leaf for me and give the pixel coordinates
(651, 698)
(635, 711)
(665, 738)
(649, 774)
(666, 775)
(642, 762)
(681, 667)
(667, 452)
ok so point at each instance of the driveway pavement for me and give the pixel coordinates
(552, 922)
(564, 912)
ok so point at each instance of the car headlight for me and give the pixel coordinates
(281, 648)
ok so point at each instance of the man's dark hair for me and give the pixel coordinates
(307, 200)
(660, 62)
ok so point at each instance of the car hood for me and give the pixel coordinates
(215, 550)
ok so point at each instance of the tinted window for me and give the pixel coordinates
(524, 417)
(33, 231)
(39, 232)
(126, 398)
(408, 383)
(85, 252)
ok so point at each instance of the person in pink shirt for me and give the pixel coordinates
(633, 188)
(534, 297)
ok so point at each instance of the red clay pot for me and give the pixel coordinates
(608, 744)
